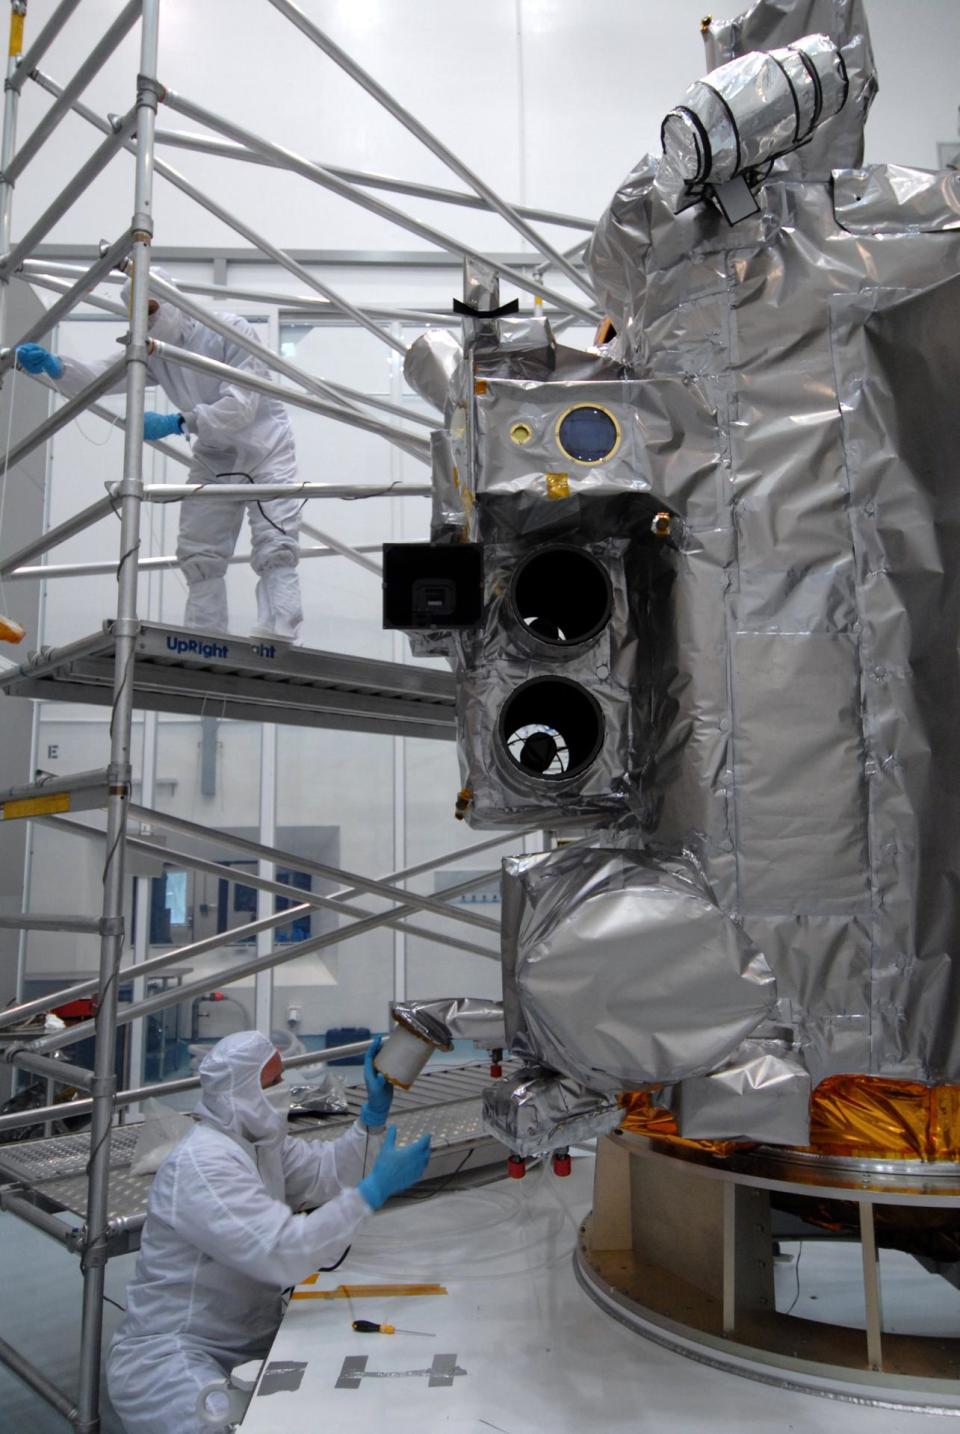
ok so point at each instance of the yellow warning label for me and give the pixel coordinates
(558, 485)
(17, 18)
(35, 806)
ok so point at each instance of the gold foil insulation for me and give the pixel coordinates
(871, 1117)
(875, 1117)
(642, 1116)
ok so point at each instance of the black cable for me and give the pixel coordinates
(418, 1199)
(796, 1270)
(266, 516)
(100, 1243)
(362, 497)
(120, 1307)
(113, 979)
(327, 1269)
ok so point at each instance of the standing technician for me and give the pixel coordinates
(239, 436)
(221, 1242)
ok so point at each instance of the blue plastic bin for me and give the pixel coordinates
(343, 1036)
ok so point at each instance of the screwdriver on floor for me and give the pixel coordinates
(367, 1326)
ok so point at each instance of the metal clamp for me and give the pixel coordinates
(75, 1239)
(150, 85)
(94, 1253)
(110, 926)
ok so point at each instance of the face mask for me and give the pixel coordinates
(166, 325)
(278, 1097)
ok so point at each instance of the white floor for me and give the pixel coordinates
(537, 1353)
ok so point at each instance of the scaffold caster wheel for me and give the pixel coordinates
(562, 1164)
(516, 1167)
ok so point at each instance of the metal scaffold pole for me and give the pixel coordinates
(364, 701)
(11, 103)
(318, 175)
(111, 948)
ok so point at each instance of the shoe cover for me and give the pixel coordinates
(207, 605)
(279, 606)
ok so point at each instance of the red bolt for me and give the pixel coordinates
(516, 1167)
(496, 1070)
(562, 1164)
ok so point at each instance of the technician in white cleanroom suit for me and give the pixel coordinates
(221, 1243)
(239, 436)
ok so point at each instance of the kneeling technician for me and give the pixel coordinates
(221, 1242)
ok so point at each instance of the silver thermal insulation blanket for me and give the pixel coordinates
(474, 1018)
(836, 142)
(430, 365)
(721, 609)
(537, 1111)
(620, 969)
(816, 604)
(761, 1094)
(751, 111)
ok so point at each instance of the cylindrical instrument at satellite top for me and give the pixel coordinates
(751, 110)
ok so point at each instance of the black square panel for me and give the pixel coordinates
(432, 585)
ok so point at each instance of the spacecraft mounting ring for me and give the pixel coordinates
(679, 1248)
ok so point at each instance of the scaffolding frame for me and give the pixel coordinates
(110, 790)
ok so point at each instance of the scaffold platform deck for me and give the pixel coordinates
(51, 1173)
(245, 679)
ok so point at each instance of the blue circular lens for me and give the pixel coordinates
(587, 434)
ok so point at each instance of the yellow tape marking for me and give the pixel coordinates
(558, 485)
(365, 1292)
(35, 806)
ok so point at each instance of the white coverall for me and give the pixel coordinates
(221, 1243)
(239, 435)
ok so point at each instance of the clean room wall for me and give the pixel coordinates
(554, 102)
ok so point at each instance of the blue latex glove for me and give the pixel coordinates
(34, 358)
(161, 425)
(395, 1169)
(379, 1090)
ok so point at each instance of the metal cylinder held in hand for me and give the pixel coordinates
(411, 1043)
